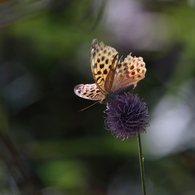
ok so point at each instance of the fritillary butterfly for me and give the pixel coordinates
(112, 77)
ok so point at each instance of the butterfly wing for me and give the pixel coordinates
(103, 61)
(88, 91)
(129, 73)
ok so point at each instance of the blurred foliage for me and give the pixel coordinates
(47, 146)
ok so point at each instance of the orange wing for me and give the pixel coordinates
(103, 61)
(129, 72)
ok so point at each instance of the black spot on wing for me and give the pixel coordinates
(101, 66)
(132, 67)
(119, 65)
(98, 78)
(105, 71)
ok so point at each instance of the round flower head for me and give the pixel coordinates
(127, 116)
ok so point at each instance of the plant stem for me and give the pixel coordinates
(141, 162)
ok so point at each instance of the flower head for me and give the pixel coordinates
(127, 116)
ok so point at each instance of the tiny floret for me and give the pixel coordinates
(127, 116)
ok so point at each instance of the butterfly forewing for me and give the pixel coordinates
(103, 65)
(129, 72)
(89, 91)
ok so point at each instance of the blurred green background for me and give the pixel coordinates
(47, 147)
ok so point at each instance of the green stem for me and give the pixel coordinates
(141, 161)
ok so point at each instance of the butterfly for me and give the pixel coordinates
(112, 77)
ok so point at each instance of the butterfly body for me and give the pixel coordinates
(111, 76)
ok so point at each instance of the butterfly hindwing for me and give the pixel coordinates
(103, 65)
(89, 91)
(129, 72)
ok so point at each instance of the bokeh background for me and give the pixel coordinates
(47, 147)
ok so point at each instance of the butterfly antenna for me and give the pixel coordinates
(88, 106)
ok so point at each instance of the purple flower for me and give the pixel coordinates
(127, 116)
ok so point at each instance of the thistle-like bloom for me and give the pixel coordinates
(127, 116)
